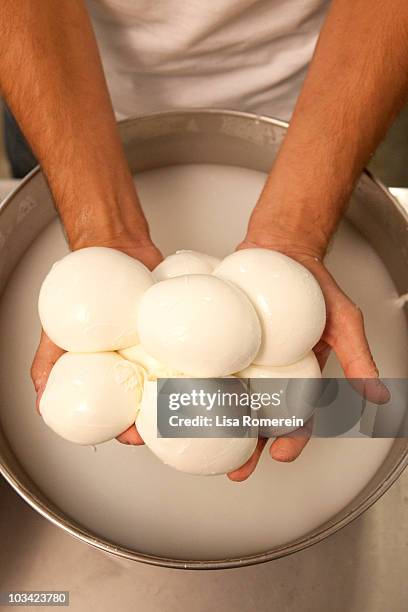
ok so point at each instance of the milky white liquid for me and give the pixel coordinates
(125, 493)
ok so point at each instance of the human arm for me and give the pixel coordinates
(52, 79)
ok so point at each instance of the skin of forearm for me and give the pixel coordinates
(356, 84)
(52, 79)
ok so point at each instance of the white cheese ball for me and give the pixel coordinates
(287, 298)
(199, 325)
(185, 262)
(91, 398)
(307, 367)
(298, 398)
(203, 456)
(88, 301)
(153, 368)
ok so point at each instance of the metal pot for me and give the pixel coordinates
(220, 137)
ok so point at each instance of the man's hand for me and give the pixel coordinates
(344, 333)
(62, 105)
(48, 352)
(356, 84)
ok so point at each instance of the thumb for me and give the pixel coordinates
(45, 357)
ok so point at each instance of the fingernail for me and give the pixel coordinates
(384, 393)
(283, 451)
(376, 391)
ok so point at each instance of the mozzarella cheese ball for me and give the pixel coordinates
(88, 301)
(91, 398)
(199, 325)
(299, 397)
(307, 367)
(287, 298)
(153, 368)
(185, 262)
(203, 456)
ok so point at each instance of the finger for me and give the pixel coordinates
(45, 357)
(246, 470)
(288, 448)
(130, 436)
(322, 351)
(354, 354)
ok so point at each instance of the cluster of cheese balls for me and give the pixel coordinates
(257, 313)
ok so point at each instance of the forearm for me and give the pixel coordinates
(357, 82)
(51, 77)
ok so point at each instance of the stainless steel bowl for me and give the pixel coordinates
(221, 137)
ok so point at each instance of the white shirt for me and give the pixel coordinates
(247, 55)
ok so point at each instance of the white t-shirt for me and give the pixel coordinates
(247, 55)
